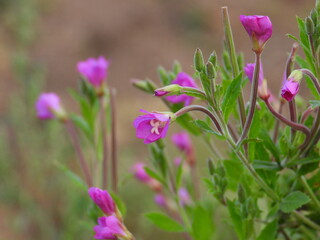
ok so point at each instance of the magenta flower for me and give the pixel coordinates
(177, 161)
(184, 80)
(103, 200)
(290, 89)
(259, 29)
(95, 70)
(249, 70)
(184, 197)
(182, 141)
(152, 126)
(48, 106)
(160, 200)
(109, 228)
(141, 174)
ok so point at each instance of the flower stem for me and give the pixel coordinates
(310, 192)
(293, 116)
(296, 126)
(234, 62)
(105, 143)
(306, 220)
(201, 109)
(75, 141)
(253, 98)
(312, 77)
(277, 125)
(114, 160)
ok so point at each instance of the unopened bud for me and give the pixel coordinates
(198, 60)
(163, 75)
(210, 71)
(210, 166)
(172, 89)
(216, 179)
(176, 68)
(241, 192)
(140, 84)
(263, 90)
(309, 25)
(220, 170)
(213, 58)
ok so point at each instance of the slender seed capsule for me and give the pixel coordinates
(198, 60)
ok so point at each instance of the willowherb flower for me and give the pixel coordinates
(109, 228)
(160, 200)
(103, 200)
(140, 173)
(94, 70)
(291, 86)
(152, 126)
(184, 80)
(183, 142)
(184, 197)
(259, 29)
(48, 106)
(177, 161)
(263, 90)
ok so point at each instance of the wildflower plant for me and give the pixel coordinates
(267, 175)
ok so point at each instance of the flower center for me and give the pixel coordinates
(156, 124)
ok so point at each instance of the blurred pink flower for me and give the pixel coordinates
(182, 141)
(141, 174)
(184, 80)
(184, 197)
(249, 69)
(48, 106)
(160, 200)
(109, 228)
(95, 70)
(177, 161)
(103, 200)
(152, 126)
(259, 29)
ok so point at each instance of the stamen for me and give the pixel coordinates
(155, 126)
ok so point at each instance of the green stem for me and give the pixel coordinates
(234, 61)
(306, 220)
(105, 143)
(310, 192)
(253, 99)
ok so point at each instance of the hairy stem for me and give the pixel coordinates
(253, 99)
(76, 144)
(277, 125)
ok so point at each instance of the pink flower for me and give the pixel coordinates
(103, 200)
(184, 80)
(249, 70)
(290, 89)
(48, 106)
(160, 200)
(95, 70)
(141, 174)
(160, 93)
(182, 141)
(152, 126)
(291, 86)
(259, 29)
(184, 197)
(109, 228)
(177, 161)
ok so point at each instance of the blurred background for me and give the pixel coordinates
(41, 42)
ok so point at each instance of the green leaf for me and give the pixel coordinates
(293, 201)
(303, 161)
(164, 222)
(179, 174)
(269, 232)
(154, 175)
(236, 219)
(230, 98)
(204, 126)
(314, 103)
(202, 225)
(81, 123)
(120, 204)
(265, 165)
(269, 144)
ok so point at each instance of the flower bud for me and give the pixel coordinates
(309, 25)
(140, 84)
(291, 85)
(140, 173)
(160, 200)
(103, 200)
(48, 107)
(210, 166)
(172, 89)
(198, 60)
(241, 193)
(184, 197)
(210, 71)
(213, 58)
(259, 29)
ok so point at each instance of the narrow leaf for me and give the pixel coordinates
(164, 222)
